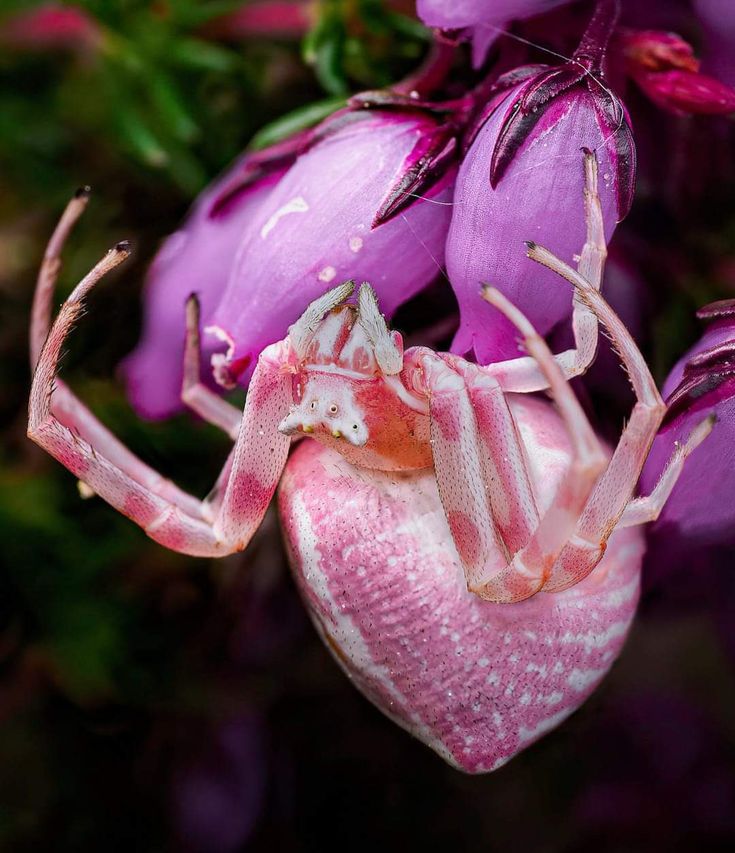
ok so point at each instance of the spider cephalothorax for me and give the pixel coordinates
(347, 389)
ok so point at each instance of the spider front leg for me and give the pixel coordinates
(63, 426)
(524, 375)
(65, 406)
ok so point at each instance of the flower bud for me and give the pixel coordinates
(484, 20)
(665, 68)
(370, 201)
(262, 19)
(195, 259)
(700, 511)
(51, 26)
(523, 179)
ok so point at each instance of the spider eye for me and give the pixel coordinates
(313, 404)
(333, 409)
(354, 426)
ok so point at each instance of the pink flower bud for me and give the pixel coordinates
(48, 27)
(665, 68)
(685, 92)
(263, 19)
(653, 50)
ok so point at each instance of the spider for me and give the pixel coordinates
(508, 495)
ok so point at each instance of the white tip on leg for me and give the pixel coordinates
(303, 330)
(387, 354)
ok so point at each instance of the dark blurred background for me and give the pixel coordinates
(150, 701)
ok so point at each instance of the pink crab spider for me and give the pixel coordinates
(529, 495)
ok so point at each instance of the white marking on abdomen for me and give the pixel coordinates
(347, 635)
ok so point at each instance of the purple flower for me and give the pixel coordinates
(484, 19)
(701, 510)
(523, 179)
(195, 259)
(370, 201)
(718, 20)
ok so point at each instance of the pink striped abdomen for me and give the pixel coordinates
(476, 681)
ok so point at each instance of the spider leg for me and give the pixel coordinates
(505, 469)
(524, 374)
(152, 507)
(64, 405)
(615, 487)
(458, 454)
(465, 464)
(200, 399)
(63, 426)
(648, 508)
(528, 570)
(49, 273)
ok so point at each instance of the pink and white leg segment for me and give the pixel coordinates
(614, 490)
(507, 553)
(64, 427)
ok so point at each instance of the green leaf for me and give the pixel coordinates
(329, 67)
(205, 56)
(296, 120)
(409, 27)
(141, 138)
(323, 49)
(171, 108)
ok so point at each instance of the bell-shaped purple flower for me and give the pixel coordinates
(523, 179)
(484, 20)
(195, 259)
(359, 204)
(701, 509)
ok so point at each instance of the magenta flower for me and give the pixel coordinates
(263, 19)
(484, 20)
(359, 204)
(700, 511)
(50, 26)
(196, 259)
(523, 179)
